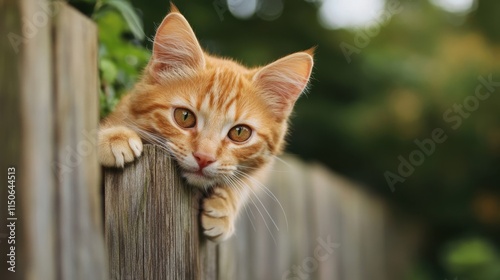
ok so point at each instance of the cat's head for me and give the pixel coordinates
(221, 120)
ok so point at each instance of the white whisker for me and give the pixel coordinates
(258, 168)
(266, 190)
(244, 185)
(282, 161)
(236, 179)
(231, 184)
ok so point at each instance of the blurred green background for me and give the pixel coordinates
(388, 76)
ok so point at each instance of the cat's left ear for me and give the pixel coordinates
(282, 81)
(176, 50)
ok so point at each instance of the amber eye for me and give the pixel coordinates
(240, 133)
(184, 118)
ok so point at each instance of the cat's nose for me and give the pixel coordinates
(203, 160)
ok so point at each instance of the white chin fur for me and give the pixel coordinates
(199, 181)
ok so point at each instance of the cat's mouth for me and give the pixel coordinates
(199, 179)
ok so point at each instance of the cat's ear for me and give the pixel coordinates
(282, 81)
(176, 50)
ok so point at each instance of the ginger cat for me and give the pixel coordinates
(223, 123)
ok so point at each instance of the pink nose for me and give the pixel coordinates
(203, 160)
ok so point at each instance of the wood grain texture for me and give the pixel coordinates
(10, 135)
(151, 222)
(80, 246)
(37, 153)
(152, 228)
(28, 58)
(51, 56)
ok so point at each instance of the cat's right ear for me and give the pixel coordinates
(176, 51)
(282, 81)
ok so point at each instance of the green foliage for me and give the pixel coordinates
(472, 258)
(129, 15)
(121, 53)
(120, 58)
(421, 272)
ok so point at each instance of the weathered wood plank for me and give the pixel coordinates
(151, 222)
(209, 258)
(10, 139)
(124, 219)
(26, 56)
(80, 243)
(52, 75)
(327, 219)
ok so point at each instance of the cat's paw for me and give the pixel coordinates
(218, 216)
(118, 145)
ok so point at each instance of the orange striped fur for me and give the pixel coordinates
(221, 94)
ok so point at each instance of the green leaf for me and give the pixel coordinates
(130, 16)
(109, 71)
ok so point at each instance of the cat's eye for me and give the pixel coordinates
(240, 133)
(184, 117)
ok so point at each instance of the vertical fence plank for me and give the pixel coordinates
(81, 243)
(51, 53)
(26, 68)
(151, 222)
(125, 210)
(11, 148)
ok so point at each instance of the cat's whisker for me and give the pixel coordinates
(267, 191)
(227, 181)
(236, 179)
(148, 136)
(253, 215)
(236, 183)
(257, 168)
(159, 140)
(282, 161)
(263, 206)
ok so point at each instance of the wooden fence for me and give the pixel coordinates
(151, 221)
(324, 227)
(50, 114)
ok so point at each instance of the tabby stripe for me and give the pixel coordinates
(137, 110)
(270, 144)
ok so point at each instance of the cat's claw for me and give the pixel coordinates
(218, 216)
(118, 145)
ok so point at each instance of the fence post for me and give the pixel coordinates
(151, 222)
(81, 253)
(50, 107)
